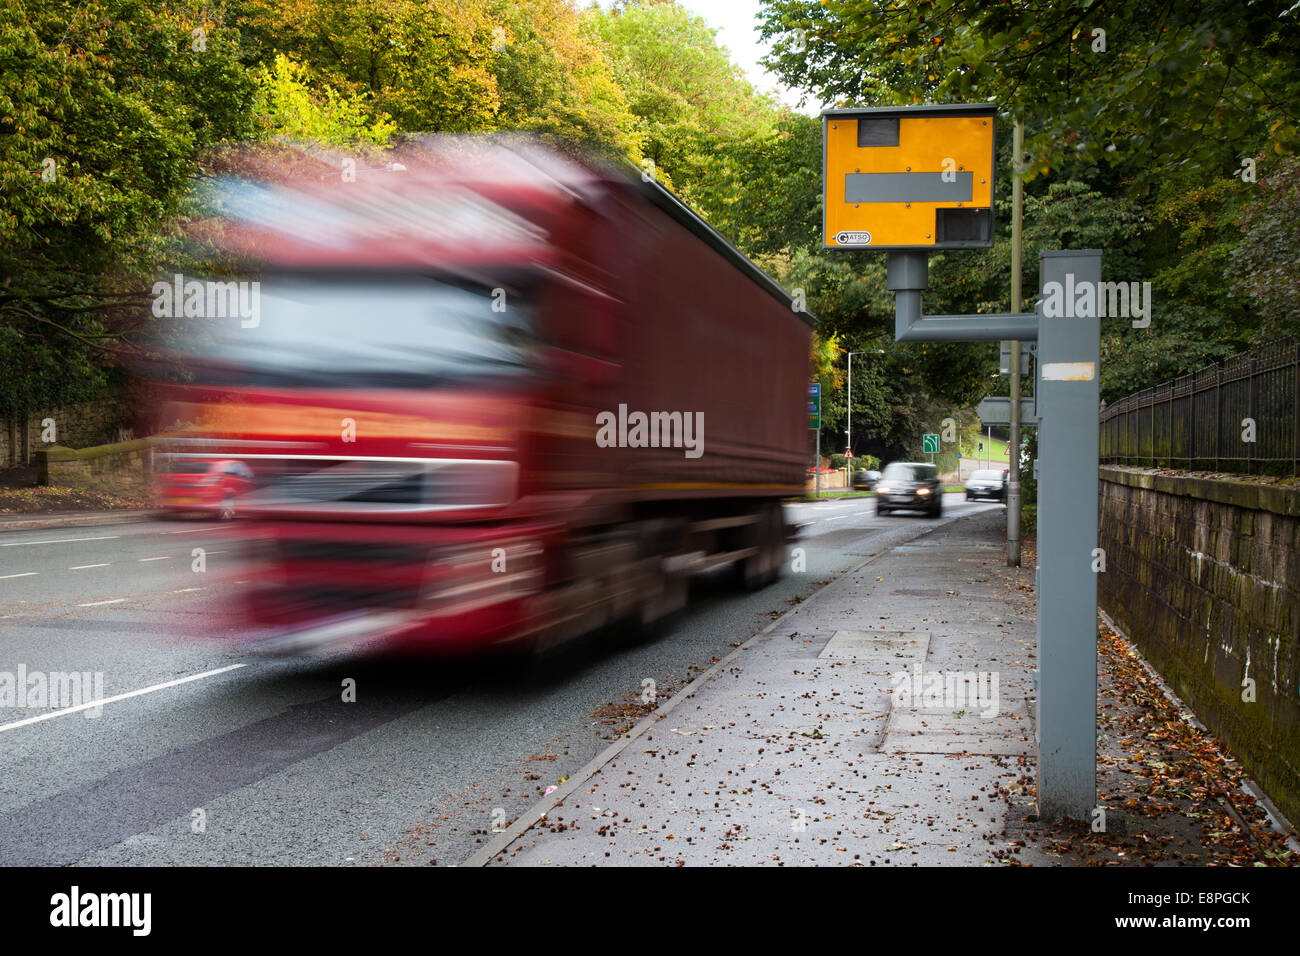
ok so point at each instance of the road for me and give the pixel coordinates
(202, 755)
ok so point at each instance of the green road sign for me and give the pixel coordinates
(930, 444)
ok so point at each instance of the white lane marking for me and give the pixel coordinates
(165, 557)
(187, 590)
(836, 518)
(211, 527)
(113, 700)
(82, 567)
(23, 544)
(858, 513)
(98, 603)
(25, 574)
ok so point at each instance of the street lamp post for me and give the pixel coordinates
(848, 404)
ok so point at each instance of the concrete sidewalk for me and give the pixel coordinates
(888, 720)
(797, 749)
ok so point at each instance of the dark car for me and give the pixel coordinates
(865, 480)
(202, 484)
(909, 486)
(987, 484)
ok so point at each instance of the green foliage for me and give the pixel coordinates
(289, 107)
(122, 97)
(764, 190)
(1265, 267)
(423, 63)
(554, 78)
(1161, 87)
(856, 463)
(690, 100)
(103, 106)
(1144, 137)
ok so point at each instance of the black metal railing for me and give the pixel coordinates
(1206, 420)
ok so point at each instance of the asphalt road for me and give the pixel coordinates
(202, 755)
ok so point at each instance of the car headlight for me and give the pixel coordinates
(922, 491)
(882, 489)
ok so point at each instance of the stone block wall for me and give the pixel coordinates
(1203, 573)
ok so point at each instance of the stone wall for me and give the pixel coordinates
(1204, 575)
(119, 469)
(76, 426)
(830, 480)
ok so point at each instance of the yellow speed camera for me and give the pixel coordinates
(912, 177)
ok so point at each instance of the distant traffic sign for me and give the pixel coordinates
(814, 405)
(997, 411)
(930, 444)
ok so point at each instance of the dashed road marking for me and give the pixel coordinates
(23, 544)
(25, 574)
(99, 603)
(82, 567)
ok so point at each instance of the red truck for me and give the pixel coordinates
(491, 392)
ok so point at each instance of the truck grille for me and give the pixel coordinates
(309, 550)
(322, 483)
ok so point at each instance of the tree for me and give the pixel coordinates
(288, 106)
(688, 96)
(103, 106)
(426, 63)
(554, 78)
(1265, 267)
(1155, 86)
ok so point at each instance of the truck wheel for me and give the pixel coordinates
(668, 600)
(763, 568)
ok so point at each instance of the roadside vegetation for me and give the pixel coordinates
(111, 108)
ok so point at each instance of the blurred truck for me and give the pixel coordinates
(491, 392)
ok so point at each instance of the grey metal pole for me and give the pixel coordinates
(1013, 456)
(849, 407)
(817, 462)
(1069, 355)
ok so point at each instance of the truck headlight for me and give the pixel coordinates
(922, 491)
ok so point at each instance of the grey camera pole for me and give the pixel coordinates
(1069, 351)
(1013, 457)
(1066, 396)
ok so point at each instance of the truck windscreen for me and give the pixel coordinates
(379, 331)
